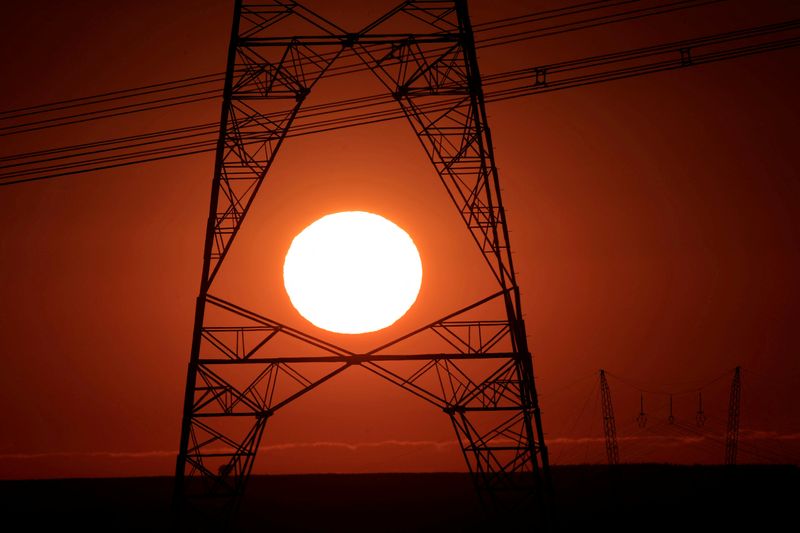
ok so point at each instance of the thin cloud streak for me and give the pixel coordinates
(430, 444)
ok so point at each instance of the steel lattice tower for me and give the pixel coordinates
(480, 373)
(732, 433)
(609, 423)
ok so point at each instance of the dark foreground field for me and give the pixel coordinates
(625, 498)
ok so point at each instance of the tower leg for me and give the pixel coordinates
(481, 374)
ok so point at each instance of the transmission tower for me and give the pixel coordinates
(641, 418)
(478, 370)
(700, 416)
(732, 434)
(609, 424)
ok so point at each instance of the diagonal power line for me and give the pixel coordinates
(179, 142)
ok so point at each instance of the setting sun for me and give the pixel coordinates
(352, 272)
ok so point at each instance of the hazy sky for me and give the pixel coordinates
(654, 224)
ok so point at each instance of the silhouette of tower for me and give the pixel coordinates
(609, 424)
(478, 370)
(700, 416)
(641, 418)
(732, 434)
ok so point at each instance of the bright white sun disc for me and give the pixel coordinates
(352, 272)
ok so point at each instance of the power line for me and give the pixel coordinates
(662, 392)
(108, 142)
(112, 96)
(595, 22)
(381, 108)
(549, 14)
(336, 70)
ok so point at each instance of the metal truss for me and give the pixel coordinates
(478, 371)
(732, 432)
(609, 422)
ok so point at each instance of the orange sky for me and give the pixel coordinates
(654, 224)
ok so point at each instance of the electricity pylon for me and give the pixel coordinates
(478, 369)
(732, 433)
(609, 423)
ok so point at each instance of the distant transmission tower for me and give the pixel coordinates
(477, 370)
(700, 416)
(641, 418)
(609, 424)
(732, 434)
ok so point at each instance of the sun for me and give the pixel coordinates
(352, 272)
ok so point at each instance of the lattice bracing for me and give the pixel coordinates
(473, 364)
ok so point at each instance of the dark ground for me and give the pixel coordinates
(624, 498)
